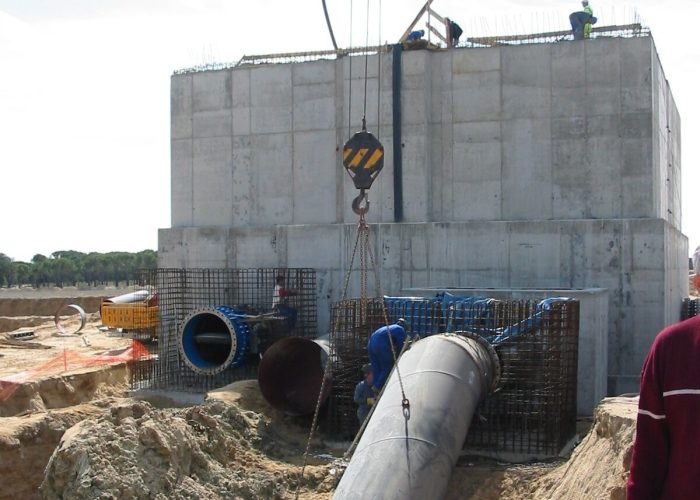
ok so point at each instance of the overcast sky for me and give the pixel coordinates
(85, 95)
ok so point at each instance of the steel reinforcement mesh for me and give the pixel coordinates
(690, 308)
(182, 291)
(534, 410)
(352, 322)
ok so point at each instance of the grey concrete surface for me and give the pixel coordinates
(639, 261)
(539, 166)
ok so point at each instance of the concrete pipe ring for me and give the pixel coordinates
(213, 339)
(64, 309)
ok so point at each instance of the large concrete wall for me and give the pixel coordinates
(553, 131)
(639, 261)
(540, 166)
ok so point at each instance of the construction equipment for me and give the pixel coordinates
(135, 313)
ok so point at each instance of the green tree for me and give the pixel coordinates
(23, 272)
(6, 270)
(70, 267)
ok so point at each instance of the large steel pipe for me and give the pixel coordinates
(129, 298)
(291, 374)
(213, 339)
(410, 454)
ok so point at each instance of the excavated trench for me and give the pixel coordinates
(93, 442)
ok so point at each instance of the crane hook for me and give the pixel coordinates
(360, 205)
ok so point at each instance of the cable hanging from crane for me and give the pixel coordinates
(363, 159)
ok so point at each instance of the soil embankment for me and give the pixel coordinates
(597, 469)
(28, 307)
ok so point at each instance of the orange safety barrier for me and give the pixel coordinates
(69, 361)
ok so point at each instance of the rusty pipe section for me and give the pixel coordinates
(411, 454)
(291, 374)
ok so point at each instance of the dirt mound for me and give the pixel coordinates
(216, 450)
(597, 469)
(26, 443)
(600, 465)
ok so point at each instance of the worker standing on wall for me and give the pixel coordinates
(666, 454)
(588, 26)
(582, 22)
(454, 30)
(364, 395)
(379, 350)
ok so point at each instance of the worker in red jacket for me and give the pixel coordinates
(666, 455)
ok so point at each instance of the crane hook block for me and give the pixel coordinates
(363, 158)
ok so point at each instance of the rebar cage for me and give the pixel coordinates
(689, 308)
(248, 293)
(533, 412)
(352, 323)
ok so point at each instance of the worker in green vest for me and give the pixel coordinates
(588, 26)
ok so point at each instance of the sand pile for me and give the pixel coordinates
(600, 465)
(597, 469)
(217, 450)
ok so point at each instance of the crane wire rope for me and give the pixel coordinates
(362, 241)
(328, 22)
(327, 368)
(364, 108)
(350, 76)
(379, 70)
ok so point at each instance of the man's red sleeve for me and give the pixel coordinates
(651, 445)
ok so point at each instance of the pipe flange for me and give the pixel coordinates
(187, 345)
(492, 354)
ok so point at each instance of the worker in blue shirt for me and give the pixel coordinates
(364, 395)
(379, 350)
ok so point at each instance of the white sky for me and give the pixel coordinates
(85, 95)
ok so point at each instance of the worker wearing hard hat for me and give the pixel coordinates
(380, 352)
(582, 22)
(587, 27)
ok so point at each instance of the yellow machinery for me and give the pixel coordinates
(133, 312)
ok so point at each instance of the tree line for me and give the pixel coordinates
(68, 268)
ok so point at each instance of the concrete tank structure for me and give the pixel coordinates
(534, 166)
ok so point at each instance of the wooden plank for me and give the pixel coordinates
(437, 33)
(436, 15)
(415, 21)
